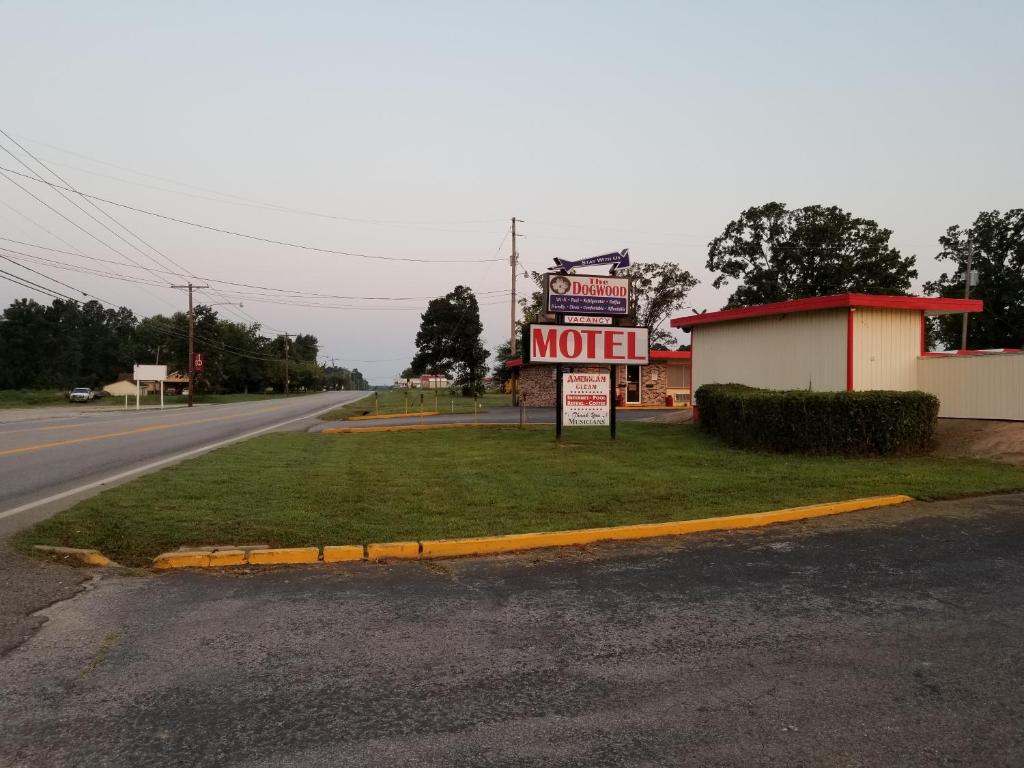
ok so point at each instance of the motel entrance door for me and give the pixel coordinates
(632, 385)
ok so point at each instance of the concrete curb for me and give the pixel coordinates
(516, 542)
(410, 415)
(424, 427)
(83, 556)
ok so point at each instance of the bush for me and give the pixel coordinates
(872, 422)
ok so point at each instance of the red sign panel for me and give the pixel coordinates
(586, 346)
(197, 361)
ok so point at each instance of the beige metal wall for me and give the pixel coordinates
(886, 345)
(798, 351)
(975, 386)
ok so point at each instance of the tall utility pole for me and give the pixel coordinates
(514, 261)
(191, 341)
(286, 363)
(967, 291)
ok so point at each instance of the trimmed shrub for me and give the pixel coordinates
(800, 421)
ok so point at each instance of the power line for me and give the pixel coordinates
(207, 278)
(414, 224)
(257, 238)
(138, 237)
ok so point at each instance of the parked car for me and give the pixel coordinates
(80, 395)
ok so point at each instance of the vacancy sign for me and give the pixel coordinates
(585, 399)
(586, 320)
(588, 295)
(578, 345)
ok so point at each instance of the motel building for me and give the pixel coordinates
(854, 342)
(665, 382)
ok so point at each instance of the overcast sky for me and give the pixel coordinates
(417, 129)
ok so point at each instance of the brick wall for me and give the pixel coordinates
(537, 383)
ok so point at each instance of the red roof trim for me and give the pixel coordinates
(839, 301)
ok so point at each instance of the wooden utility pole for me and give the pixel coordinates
(967, 292)
(286, 363)
(191, 341)
(514, 261)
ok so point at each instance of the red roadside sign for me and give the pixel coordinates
(197, 362)
(580, 345)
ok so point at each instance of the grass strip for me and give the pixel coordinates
(301, 489)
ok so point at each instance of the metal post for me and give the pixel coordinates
(967, 292)
(558, 401)
(612, 389)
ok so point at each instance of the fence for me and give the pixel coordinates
(976, 386)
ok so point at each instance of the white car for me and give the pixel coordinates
(80, 395)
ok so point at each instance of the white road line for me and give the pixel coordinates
(159, 463)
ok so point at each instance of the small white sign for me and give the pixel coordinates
(587, 320)
(586, 400)
(150, 373)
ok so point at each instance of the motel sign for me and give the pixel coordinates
(586, 346)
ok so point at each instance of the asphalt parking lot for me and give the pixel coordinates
(880, 638)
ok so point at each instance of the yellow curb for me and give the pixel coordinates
(343, 554)
(400, 550)
(521, 541)
(181, 560)
(394, 415)
(289, 555)
(83, 556)
(227, 557)
(424, 427)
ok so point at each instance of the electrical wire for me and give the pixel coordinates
(4, 170)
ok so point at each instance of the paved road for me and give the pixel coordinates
(60, 451)
(879, 638)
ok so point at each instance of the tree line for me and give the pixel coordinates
(72, 344)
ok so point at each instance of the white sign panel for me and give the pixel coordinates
(579, 345)
(588, 295)
(587, 320)
(586, 401)
(150, 373)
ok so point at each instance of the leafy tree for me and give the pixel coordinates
(448, 341)
(999, 258)
(778, 254)
(501, 356)
(658, 291)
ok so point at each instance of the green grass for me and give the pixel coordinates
(29, 398)
(390, 401)
(293, 489)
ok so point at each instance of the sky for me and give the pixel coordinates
(410, 130)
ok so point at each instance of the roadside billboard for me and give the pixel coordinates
(150, 373)
(587, 295)
(580, 345)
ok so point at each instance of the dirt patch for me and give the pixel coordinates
(998, 440)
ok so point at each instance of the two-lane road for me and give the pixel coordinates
(48, 463)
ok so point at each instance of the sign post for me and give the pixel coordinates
(613, 396)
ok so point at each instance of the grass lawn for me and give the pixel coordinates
(293, 489)
(27, 398)
(412, 401)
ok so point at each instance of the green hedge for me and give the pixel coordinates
(873, 422)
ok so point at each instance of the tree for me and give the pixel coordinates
(999, 258)
(448, 341)
(501, 356)
(658, 290)
(777, 254)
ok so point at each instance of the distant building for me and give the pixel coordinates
(434, 381)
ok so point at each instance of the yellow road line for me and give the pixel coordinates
(125, 433)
